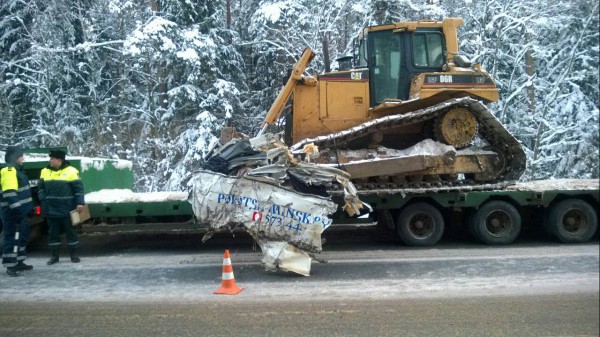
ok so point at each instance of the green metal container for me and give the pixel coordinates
(96, 173)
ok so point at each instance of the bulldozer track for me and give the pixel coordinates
(422, 187)
(490, 129)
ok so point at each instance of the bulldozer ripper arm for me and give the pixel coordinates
(277, 107)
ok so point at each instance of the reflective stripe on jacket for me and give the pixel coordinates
(15, 193)
(60, 190)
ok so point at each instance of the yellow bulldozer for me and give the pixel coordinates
(410, 111)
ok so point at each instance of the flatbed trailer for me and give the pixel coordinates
(566, 209)
(155, 211)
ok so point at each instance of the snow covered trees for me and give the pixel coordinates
(151, 82)
(155, 81)
(544, 58)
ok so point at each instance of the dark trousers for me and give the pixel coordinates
(13, 250)
(57, 225)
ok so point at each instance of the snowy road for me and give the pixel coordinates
(145, 285)
(144, 273)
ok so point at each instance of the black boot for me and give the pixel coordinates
(22, 266)
(12, 271)
(53, 256)
(73, 253)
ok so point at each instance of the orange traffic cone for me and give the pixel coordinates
(228, 286)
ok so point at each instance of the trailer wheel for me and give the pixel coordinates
(496, 223)
(420, 224)
(572, 221)
(547, 229)
(385, 220)
(469, 223)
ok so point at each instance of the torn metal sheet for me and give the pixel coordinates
(287, 224)
(279, 197)
(266, 141)
(282, 255)
(318, 174)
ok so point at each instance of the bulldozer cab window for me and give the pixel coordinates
(361, 46)
(385, 60)
(428, 50)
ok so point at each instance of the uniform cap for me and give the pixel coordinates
(12, 154)
(58, 154)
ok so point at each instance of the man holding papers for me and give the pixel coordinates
(60, 191)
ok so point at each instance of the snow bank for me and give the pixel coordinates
(126, 196)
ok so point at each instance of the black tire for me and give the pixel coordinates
(572, 221)
(385, 220)
(547, 229)
(420, 224)
(497, 222)
(469, 224)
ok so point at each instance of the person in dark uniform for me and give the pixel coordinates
(60, 192)
(15, 205)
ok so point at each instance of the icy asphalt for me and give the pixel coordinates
(140, 273)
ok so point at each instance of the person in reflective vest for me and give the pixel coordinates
(60, 191)
(15, 205)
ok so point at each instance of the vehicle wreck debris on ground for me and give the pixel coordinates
(279, 198)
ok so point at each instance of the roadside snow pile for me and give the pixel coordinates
(278, 198)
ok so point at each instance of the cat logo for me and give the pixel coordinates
(356, 76)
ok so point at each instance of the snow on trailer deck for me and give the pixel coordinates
(557, 185)
(115, 196)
